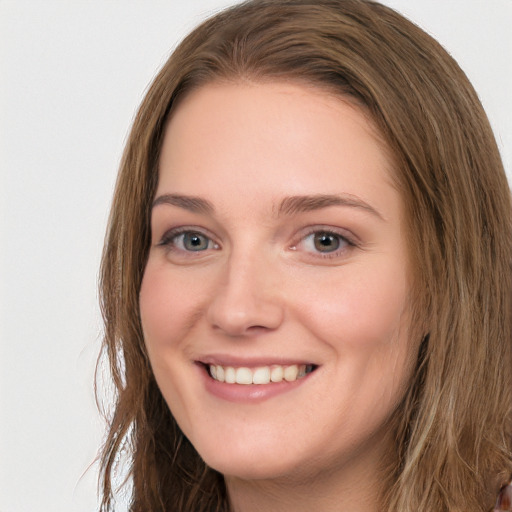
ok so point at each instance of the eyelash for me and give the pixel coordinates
(169, 241)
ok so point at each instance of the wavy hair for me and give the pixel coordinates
(453, 428)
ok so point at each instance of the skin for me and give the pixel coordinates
(263, 290)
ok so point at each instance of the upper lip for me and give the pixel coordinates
(251, 362)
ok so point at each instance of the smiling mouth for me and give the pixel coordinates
(259, 375)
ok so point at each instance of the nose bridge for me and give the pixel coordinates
(248, 295)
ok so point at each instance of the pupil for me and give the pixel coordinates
(326, 242)
(195, 242)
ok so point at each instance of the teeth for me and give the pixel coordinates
(229, 375)
(276, 374)
(260, 375)
(290, 373)
(243, 376)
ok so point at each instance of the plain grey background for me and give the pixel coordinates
(72, 73)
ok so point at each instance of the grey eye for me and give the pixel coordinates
(195, 241)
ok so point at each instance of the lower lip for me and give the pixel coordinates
(249, 393)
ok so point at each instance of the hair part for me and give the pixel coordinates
(452, 429)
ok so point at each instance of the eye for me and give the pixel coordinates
(187, 241)
(324, 243)
(191, 241)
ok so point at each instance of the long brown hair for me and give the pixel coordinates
(453, 431)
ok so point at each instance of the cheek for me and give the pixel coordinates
(168, 304)
(156, 306)
(359, 311)
(364, 320)
(167, 312)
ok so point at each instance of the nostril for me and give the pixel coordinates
(245, 323)
(257, 328)
(244, 303)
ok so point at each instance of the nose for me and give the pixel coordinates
(248, 298)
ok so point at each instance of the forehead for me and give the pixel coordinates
(281, 128)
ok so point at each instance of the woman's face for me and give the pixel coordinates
(275, 298)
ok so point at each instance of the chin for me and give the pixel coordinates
(250, 463)
(245, 470)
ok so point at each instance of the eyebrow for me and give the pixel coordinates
(299, 204)
(288, 206)
(191, 203)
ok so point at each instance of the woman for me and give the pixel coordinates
(305, 281)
